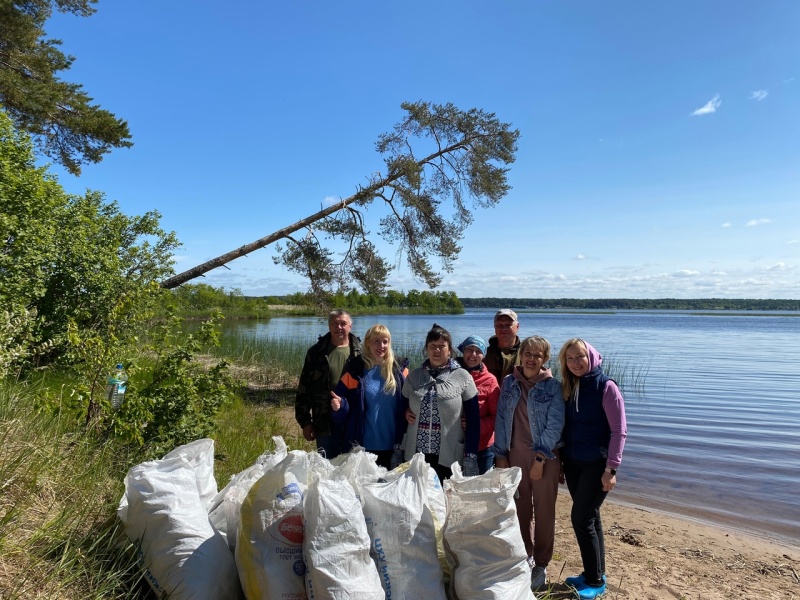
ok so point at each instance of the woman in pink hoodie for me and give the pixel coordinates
(594, 436)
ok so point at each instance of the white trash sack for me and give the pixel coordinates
(336, 545)
(165, 512)
(482, 537)
(402, 528)
(359, 467)
(226, 506)
(269, 545)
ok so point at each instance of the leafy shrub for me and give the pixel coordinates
(172, 398)
(16, 340)
(70, 258)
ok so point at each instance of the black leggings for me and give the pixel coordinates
(586, 488)
(442, 472)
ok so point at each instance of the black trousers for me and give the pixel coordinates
(442, 472)
(585, 487)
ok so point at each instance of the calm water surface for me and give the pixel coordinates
(714, 432)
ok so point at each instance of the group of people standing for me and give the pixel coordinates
(496, 405)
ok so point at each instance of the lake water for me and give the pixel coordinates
(713, 433)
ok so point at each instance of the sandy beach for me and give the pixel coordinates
(651, 555)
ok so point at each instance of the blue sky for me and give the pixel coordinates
(658, 157)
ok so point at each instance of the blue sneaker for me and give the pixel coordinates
(588, 592)
(578, 580)
(575, 581)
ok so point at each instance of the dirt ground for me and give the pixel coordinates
(654, 556)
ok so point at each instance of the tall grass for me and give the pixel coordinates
(629, 374)
(287, 354)
(59, 536)
(273, 353)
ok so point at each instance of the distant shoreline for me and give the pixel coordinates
(711, 305)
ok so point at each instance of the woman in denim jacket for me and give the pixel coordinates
(530, 419)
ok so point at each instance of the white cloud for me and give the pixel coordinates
(788, 80)
(726, 225)
(753, 283)
(709, 107)
(754, 222)
(758, 95)
(765, 278)
(330, 201)
(793, 242)
(580, 257)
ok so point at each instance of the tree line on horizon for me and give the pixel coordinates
(413, 301)
(450, 302)
(635, 303)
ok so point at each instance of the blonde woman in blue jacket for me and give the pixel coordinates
(367, 402)
(528, 427)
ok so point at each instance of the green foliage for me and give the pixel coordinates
(59, 537)
(172, 398)
(73, 259)
(193, 300)
(67, 126)
(92, 351)
(424, 302)
(28, 196)
(392, 301)
(105, 256)
(16, 341)
(89, 273)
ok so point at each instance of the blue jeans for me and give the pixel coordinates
(485, 460)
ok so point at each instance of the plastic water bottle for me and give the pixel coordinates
(115, 389)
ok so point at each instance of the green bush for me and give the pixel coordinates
(174, 398)
(71, 259)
